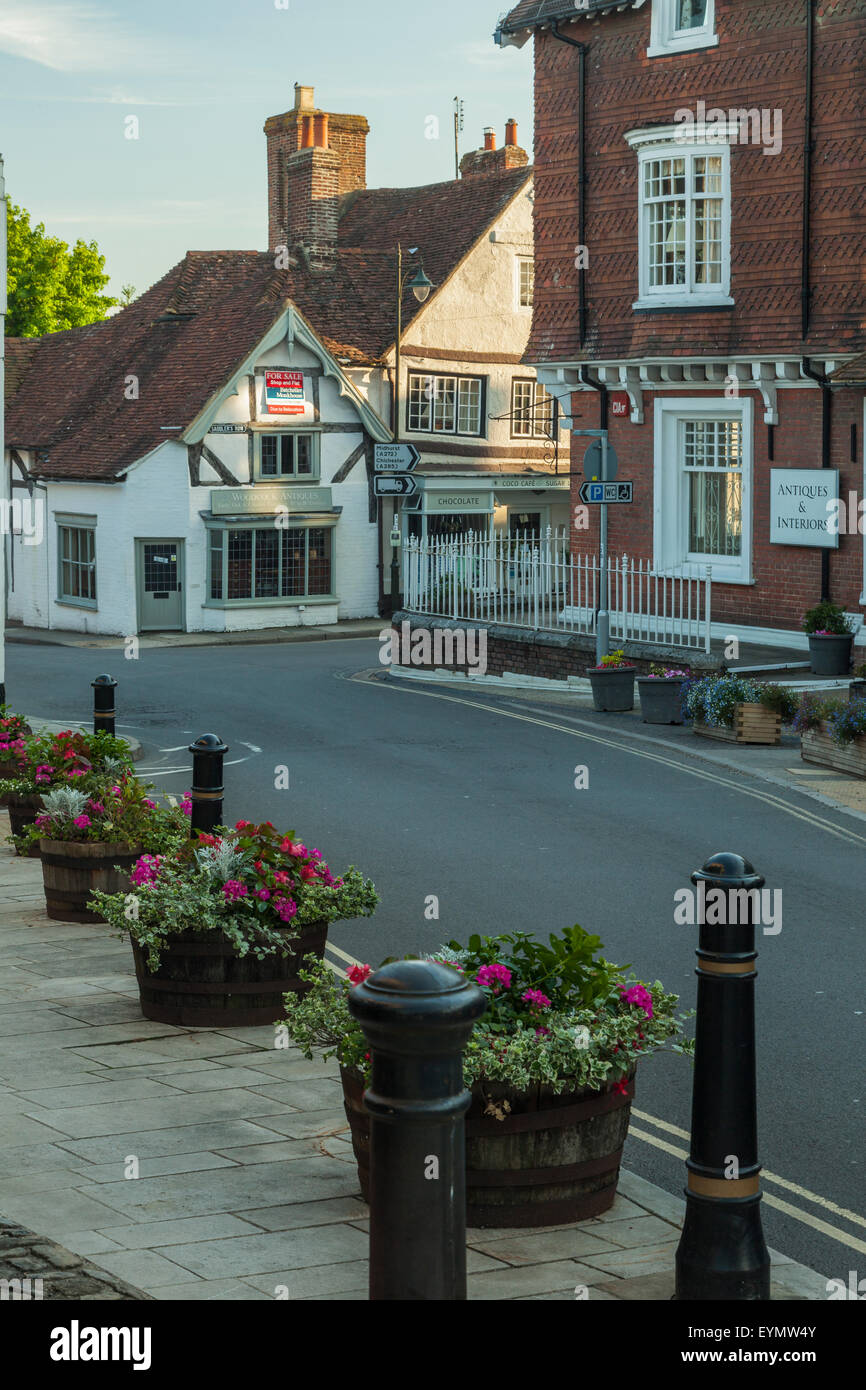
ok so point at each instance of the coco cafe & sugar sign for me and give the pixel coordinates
(507, 502)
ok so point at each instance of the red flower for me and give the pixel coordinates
(621, 1087)
(357, 974)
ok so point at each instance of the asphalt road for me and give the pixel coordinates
(471, 798)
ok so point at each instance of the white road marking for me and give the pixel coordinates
(805, 1217)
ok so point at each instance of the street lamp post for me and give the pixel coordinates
(418, 283)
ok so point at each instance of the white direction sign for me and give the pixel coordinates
(395, 458)
(394, 485)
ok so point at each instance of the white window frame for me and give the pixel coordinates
(69, 522)
(688, 142)
(274, 479)
(461, 382)
(670, 486)
(534, 418)
(521, 261)
(666, 39)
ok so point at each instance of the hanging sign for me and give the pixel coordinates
(284, 393)
(620, 406)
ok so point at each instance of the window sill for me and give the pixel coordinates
(89, 606)
(674, 47)
(721, 574)
(682, 304)
(320, 601)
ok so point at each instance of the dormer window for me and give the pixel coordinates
(678, 26)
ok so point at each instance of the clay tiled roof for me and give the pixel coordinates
(852, 374)
(186, 336)
(530, 14)
(18, 354)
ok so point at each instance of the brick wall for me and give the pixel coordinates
(787, 578)
(760, 61)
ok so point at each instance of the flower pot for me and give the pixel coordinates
(661, 699)
(551, 1160)
(816, 746)
(612, 688)
(202, 982)
(857, 690)
(23, 810)
(831, 655)
(753, 723)
(72, 870)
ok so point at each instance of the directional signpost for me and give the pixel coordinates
(394, 485)
(394, 458)
(600, 468)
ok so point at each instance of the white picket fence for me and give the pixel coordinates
(535, 583)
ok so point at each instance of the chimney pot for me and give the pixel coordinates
(511, 131)
(308, 138)
(320, 130)
(489, 138)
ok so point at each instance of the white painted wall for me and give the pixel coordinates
(156, 501)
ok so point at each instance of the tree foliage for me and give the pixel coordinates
(50, 285)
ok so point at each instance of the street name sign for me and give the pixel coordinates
(395, 458)
(394, 485)
(606, 492)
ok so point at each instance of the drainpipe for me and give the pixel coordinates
(581, 174)
(806, 286)
(826, 459)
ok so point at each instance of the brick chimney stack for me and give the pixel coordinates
(314, 157)
(490, 160)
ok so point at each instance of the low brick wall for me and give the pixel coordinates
(550, 655)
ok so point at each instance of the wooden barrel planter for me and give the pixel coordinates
(551, 1160)
(201, 982)
(72, 870)
(23, 810)
(753, 723)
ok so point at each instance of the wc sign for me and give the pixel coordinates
(284, 393)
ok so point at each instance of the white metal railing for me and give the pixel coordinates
(534, 582)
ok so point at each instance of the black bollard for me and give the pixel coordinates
(417, 1017)
(103, 704)
(207, 784)
(722, 1253)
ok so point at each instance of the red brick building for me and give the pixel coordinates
(699, 246)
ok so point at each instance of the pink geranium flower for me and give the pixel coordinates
(535, 999)
(357, 974)
(234, 890)
(492, 976)
(82, 822)
(285, 909)
(640, 996)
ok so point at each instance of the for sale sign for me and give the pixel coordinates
(284, 393)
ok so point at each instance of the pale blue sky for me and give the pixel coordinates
(202, 76)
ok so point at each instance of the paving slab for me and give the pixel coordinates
(161, 1143)
(247, 1187)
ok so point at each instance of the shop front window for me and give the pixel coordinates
(257, 563)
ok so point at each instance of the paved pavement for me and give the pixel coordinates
(208, 1164)
(333, 632)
